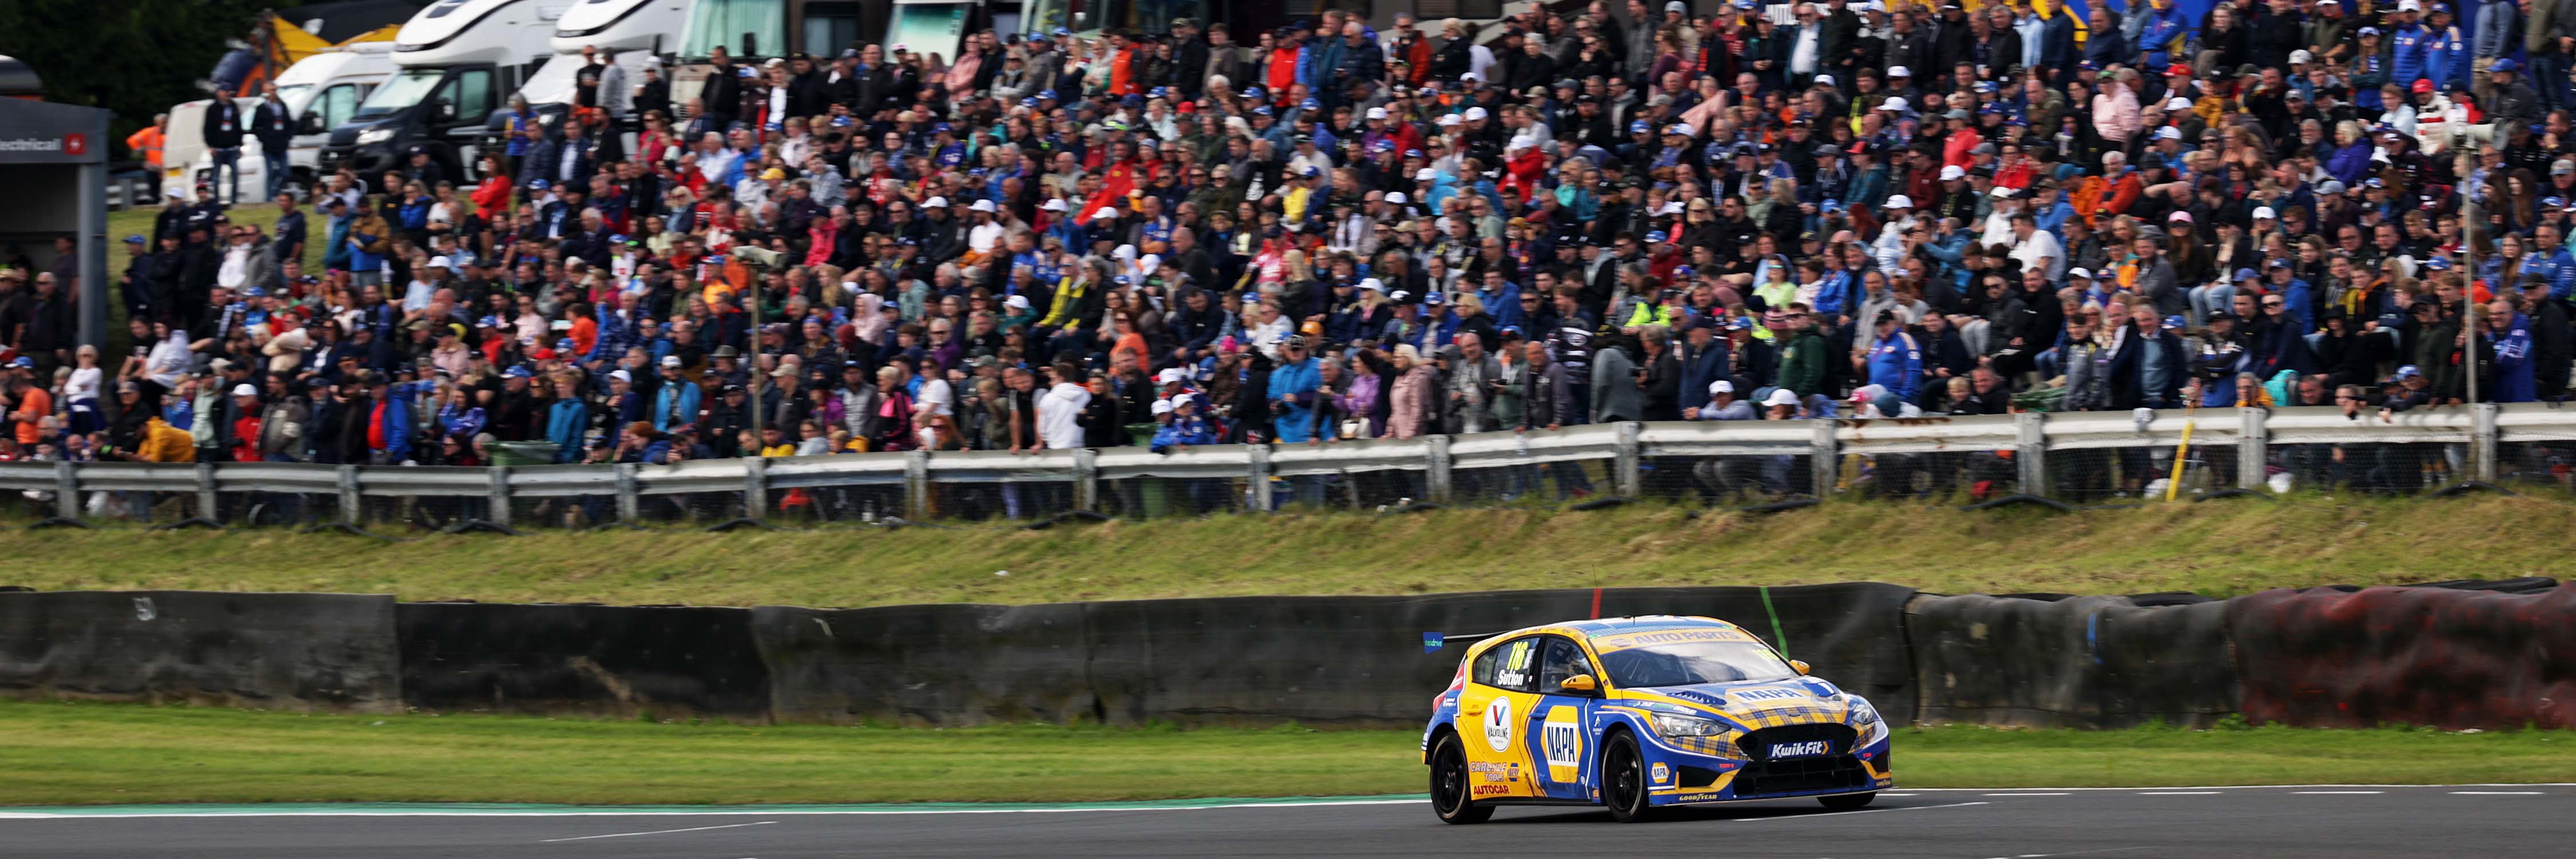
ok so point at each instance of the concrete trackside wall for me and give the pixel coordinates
(260, 650)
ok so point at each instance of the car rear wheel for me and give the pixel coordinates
(1449, 787)
(1847, 801)
(1623, 780)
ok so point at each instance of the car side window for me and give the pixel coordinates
(1511, 665)
(1564, 659)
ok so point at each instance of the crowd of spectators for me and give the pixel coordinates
(1637, 211)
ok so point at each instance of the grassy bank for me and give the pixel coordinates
(2220, 548)
(68, 754)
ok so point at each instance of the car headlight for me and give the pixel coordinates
(375, 135)
(1866, 721)
(1687, 726)
(1862, 713)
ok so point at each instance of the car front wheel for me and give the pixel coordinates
(1623, 780)
(1449, 784)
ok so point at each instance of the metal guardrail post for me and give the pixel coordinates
(755, 488)
(2030, 451)
(1256, 477)
(916, 484)
(2250, 442)
(351, 505)
(629, 506)
(1086, 480)
(1626, 477)
(67, 490)
(206, 500)
(1435, 467)
(2482, 441)
(500, 513)
(1825, 462)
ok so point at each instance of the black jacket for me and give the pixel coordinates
(223, 125)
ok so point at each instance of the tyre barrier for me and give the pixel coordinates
(302, 652)
(2080, 662)
(584, 659)
(2444, 657)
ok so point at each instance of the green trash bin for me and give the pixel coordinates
(524, 452)
(1145, 497)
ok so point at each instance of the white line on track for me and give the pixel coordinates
(1862, 811)
(657, 832)
(2495, 793)
(2076, 853)
(2178, 793)
(2337, 792)
(2025, 794)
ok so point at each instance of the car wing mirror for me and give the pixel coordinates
(1799, 664)
(1580, 684)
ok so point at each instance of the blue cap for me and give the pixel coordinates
(842, 122)
(1655, 238)
(1683, 271)
(715, 259)
(2278, 262)
(940, 128)
(1311, 104)
(515, 372)
(2554, 202)
(2505, 64)
(2173, 322)
(1513, 330)
(1124, 280)
(1059, 32)
(2247, 273)
(2438, 263)
(255, 292)
(538, 185)
(1047, 94)
(1313, 171)
(616, 238)
(1412, 153)
(563, 344)
(2408, 372)
(1261, 110)
(1640, 127)
(135, 239)
(488, 322)
(22, 361)
(1431, 298)
(1252, 92)
(2375, 182)
(1031, 101)
(1158, 92)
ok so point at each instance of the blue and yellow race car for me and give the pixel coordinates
(1639, 713)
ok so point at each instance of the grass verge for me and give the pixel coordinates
(2221, 548)
(80, 753)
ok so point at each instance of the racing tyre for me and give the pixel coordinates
(1623, 780)
(1450, 786)
(1847, 801)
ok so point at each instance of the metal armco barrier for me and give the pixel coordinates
(270, 651)
(2101, 662)
(2437, 656)
(2236, 448)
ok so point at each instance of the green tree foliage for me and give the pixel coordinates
(135, 57)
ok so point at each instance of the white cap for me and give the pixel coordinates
(1893, 102)
(670, 360)
(438, 262)
(1372, 284)
(1169, 375)
(1395, 198)
(935, 203)
(620, 376)
(1781, 397)
(2302, 56)
(1162, 407)
(1825, 80)
(1953, 171)
(2265, 212)
(1899, 72)
(1052, 205)
(1671, 207)
(2080, 271)
(1721, 386)
(1105, 212)
(245, 391)
(1449, 119)
(1016, 302)
(1520, 142)
(1475, 113)
(1470, 76)
(1680, 129)
(2178, 103)
(1425, 174)
(2409, 6)
(2168, 133)
(982, 206)
(1377, 113)
(1899, 201)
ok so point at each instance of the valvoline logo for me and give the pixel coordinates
(1806, 749)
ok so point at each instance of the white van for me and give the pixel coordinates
(322, 91)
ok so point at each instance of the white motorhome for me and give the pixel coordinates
(455, 63)
(635, 31)
(321, 91)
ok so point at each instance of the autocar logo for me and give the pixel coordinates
(1809, 748)
(1498, 724)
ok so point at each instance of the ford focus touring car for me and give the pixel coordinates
(1643, 713)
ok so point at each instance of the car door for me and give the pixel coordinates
(1492, 712)
(1560, 727)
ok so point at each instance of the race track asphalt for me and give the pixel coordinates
(2323, 821)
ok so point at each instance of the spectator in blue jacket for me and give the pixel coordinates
(1894, 361)
(2511, 333)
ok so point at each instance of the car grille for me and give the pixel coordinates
(1834, 771)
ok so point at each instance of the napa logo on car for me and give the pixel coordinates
(1662, 774)
(1564, 741)
(1753, 695)
(1498, 724)
(1809, 748)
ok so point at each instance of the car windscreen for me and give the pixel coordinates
(403, 91)
(1688, 663)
